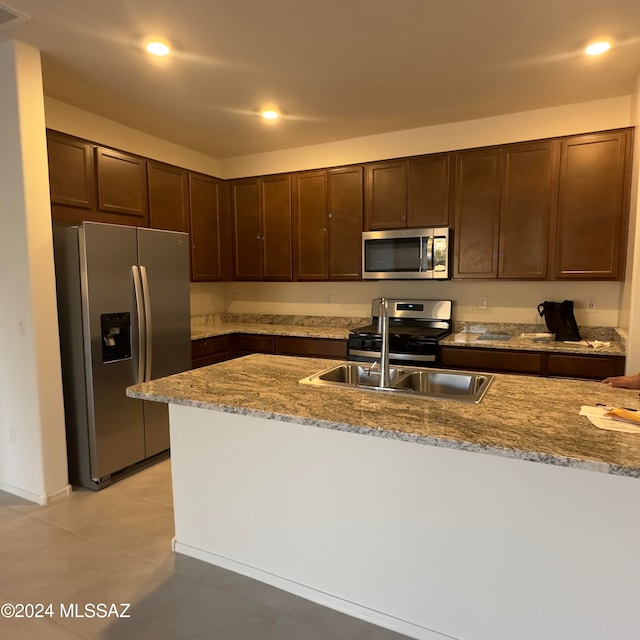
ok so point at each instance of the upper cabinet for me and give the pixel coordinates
(327, 209)
(210, 229)
(593, 206)
(122, 183)
(262, 223)
(527, 206)
(547, 209)
(407, 193)
(477, 213)
(168, 197)
(72, 180)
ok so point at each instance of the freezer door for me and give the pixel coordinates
(163, 258)
(116, 427)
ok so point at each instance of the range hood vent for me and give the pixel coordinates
(10, 17)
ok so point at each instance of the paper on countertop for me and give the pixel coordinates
(596, 344)
(536, 335)
(597, 417)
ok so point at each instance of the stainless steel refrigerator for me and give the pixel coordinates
(123, 311)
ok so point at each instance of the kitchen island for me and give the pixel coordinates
(514, 518)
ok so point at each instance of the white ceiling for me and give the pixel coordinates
(337, 68)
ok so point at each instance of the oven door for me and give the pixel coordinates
(421, 353)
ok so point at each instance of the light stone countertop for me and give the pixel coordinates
(523, 417)
(515, 342)
(263, 324)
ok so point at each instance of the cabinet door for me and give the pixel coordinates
(526, 208)
(247, 230)
(71, 171)
(209, 229)
(122, 183)
(428, 191)
(592, 206)
(345, 223)
(310, 226)
(168, 197)
(276, 227)
(477, 213)
(386, 195)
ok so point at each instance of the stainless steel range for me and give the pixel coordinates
(415, 326)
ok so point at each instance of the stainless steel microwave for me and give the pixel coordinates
(406, 254)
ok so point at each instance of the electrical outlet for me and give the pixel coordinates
(329, 298)
(590, 305)
(482, 302)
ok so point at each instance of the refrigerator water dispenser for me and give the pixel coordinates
(116, 336)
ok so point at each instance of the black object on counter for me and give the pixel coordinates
(560, 320)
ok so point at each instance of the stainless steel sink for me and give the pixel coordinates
(463, 386)
(353, 374)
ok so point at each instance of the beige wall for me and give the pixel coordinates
(514, 127)
(630, 296)
(33, 460)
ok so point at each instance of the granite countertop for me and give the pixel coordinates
(595, 341)
(522, 417)
(300, 326)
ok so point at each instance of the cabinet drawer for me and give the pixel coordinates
(314, 347)
(210, 346)
(578, 366)
(491, 360)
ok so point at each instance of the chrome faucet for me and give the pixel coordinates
(383, 323)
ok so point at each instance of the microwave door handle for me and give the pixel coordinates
(430, 253)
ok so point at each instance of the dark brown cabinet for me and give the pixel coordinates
(211, 350)
(210, 229)
(527, 207)
(540, 363)
(310, 226)
(72, 180)
(168, 197)
(327, 211)
(428, 191)
(310, 347)
(477, 213)
(345, 212)
(122, 184)
(593, 203)
(504, 203)
(385, 204)
(262, 223)
(408, 193)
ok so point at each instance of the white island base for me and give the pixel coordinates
(428, 541)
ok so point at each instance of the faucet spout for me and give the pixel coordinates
(383, 317)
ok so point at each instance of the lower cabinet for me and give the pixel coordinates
(541, 363)
(211, 350)
(208, 351)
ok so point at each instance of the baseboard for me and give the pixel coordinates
(41, 499)
(325, 599)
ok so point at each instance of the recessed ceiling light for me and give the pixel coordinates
(157, 47)
(270, 114)
(596, 48)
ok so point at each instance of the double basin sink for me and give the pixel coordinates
(431, 383)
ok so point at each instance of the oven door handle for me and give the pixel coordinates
(395, 356)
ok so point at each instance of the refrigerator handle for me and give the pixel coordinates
(147, 319)
(142, 333)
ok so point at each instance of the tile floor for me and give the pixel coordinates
(113, 546)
